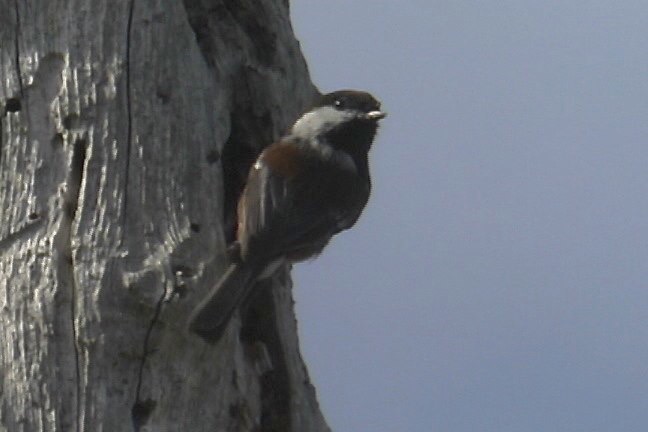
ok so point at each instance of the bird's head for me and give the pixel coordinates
(344, 119)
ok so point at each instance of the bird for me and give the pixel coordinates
(310, 185)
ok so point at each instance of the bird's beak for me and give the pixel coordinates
(376, 115)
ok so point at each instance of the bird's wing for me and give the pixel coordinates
(286, 209)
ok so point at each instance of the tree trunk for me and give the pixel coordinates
(127, 127)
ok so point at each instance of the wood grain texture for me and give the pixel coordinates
(111, 202)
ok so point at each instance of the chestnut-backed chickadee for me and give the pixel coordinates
(300, 192)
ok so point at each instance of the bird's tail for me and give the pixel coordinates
(211, 317)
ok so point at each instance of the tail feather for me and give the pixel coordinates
(211, 317)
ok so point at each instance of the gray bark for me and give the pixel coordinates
(114, 116)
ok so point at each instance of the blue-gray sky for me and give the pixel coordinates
(498, 280)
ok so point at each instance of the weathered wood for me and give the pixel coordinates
(114, 117)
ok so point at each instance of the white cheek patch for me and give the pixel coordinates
(319, 121)
(314, 124)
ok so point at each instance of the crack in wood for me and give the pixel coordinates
(77, 168)
(129, 114)
(17, 47)
(142, 409)
(20, 235)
